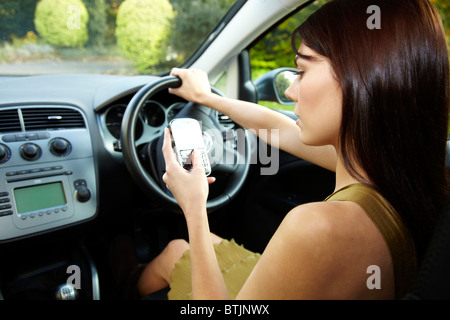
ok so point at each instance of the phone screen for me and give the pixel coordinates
(187, 134)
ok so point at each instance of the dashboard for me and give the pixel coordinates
(60, 144)
(60, 154)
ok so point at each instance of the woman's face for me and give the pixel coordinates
(318, 99)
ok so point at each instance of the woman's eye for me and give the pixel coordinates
(299, 73)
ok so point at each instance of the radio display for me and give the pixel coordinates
(39, 197)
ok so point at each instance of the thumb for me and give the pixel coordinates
(196, 160)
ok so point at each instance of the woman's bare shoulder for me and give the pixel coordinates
(321, 251)
(334, 218)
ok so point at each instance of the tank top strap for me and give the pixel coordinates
(392, 228)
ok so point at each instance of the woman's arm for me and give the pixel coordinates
(207, 280)
(282, 131)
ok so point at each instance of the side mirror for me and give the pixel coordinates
(272, 85)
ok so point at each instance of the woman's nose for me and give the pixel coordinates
(288, 93)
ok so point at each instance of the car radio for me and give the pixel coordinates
(48, 180)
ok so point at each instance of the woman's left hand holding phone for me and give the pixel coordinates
(190, 188)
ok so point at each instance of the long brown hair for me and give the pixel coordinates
(395, 85)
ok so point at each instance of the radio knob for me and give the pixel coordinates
(60, 146)
(4, 152)
(82, 193)
(30, 151)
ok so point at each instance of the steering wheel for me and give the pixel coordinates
(228, 150)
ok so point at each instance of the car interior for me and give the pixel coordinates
(81, 164)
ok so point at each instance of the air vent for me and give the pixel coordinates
(9, 121)
(51, 118)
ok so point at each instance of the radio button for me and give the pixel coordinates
(43, 135)
(79, 182)
(31, 136)
(60, 147)
(82, 194)
(5, 153)
(20, 137)
(26, 136)
(9, 138)
(30, 151)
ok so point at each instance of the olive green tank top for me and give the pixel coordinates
(392, 228)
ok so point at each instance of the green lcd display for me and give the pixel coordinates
(39, 197)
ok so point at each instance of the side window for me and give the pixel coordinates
(274, 49)
(444, 10)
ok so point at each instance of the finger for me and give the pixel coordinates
(196, 160)
(166, 143)
(211, 180)
(169, 157)
(173, 90)
(175, 71)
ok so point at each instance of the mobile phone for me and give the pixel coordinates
(187, 137)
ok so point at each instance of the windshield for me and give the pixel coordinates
(126, 37)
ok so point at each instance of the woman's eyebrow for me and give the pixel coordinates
(305, 57)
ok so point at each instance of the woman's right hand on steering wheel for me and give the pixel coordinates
(195, 85)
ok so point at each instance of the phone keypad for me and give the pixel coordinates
(186, 159)
(205, 163)
(187, 164)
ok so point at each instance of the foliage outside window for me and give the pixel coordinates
(142, 31)
(151, 39)
(52, 24)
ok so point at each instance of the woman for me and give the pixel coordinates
(373, 107)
